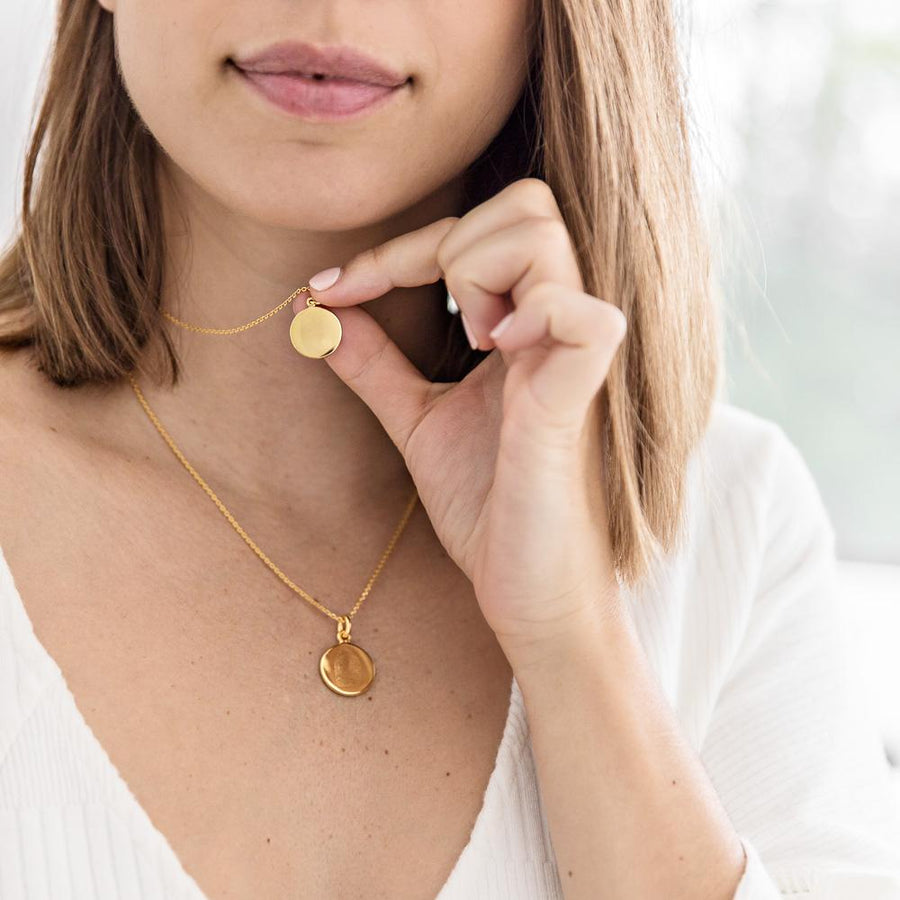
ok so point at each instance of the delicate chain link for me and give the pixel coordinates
(237, 328)
(234, 523)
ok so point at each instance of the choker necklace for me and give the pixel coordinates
(315, 331)
(345, 667)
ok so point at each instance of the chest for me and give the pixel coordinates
(197, 671)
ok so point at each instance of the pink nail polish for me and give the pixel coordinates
(325, 279)
(473, 341)
(501, 326)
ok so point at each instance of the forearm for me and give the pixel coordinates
(630, 809)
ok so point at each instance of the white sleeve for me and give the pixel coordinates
(792, 747)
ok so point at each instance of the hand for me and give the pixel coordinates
(507, 461)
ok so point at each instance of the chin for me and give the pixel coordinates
(319, 216)
(322, 208)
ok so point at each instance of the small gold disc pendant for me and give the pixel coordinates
(346, 668)
(315, 331)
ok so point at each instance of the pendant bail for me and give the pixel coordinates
(343, 629)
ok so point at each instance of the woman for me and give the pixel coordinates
(602, 655)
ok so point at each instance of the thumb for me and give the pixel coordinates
(374, 367)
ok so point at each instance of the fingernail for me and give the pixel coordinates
(501, 326)
(472, 339)
(323, 280)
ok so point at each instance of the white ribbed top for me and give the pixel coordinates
(742, 627)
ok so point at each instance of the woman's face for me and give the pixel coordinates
(464, 62)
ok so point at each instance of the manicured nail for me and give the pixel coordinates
(501, 326)
(323, 280)
(472, 339)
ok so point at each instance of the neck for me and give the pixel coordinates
(248, 408)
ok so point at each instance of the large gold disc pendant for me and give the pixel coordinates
(346, 668)
(315, 331)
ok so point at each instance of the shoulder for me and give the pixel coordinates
(756, 548)
(19, 404)
(45, 444)
(28, 412)
(742, 446)
(26, 395)
(755, 523)
(36, 413)
(753, 513)
(22, 450)
(749, 464)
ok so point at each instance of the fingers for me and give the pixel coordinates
(512, 260)
(511, 253)
(586, 333)
(380, 374)
(408, 260)
(504, 245)
(527, 198)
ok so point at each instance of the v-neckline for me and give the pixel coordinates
(513, 726)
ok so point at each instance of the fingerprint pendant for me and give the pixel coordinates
(315, 331)
(346, 668)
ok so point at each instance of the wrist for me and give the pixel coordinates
(556, 644)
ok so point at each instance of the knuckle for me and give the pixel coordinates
(444, 258)
(615, 323)
(536, 188)
(372, 257)
(534, 195)
(445, 247)
(451, 276)
(550, 230)
(596, 319)
(367, 364)
(446, 223)
(549, 290)
(541, 294)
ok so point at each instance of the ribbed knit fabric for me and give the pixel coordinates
(742, 628)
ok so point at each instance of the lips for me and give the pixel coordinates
(294, 58)
(313, 81)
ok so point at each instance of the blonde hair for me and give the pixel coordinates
(602, 120)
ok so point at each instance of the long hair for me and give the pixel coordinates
(602, 120)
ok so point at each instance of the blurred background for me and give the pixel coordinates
(796, 119)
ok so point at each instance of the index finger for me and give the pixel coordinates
(411, 259)
(408, 260)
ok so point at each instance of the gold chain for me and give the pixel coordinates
(202, 330)
(223, 509)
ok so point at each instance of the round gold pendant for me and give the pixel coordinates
(346, 668)
(315, 331)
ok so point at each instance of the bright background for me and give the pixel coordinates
(797, 134)
(796, 112)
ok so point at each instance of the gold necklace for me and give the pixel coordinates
(345, 667)
(315, 331)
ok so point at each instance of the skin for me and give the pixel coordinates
(506, 462)
(310, 195)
